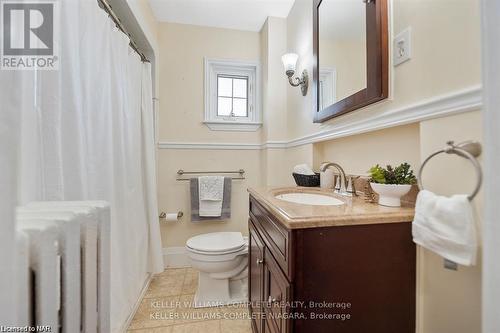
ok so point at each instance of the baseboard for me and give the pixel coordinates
(175, 257)
(144, 289)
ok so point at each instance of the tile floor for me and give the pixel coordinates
(167, 308)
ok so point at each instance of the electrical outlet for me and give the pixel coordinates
(402, 47)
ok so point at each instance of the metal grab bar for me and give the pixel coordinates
(241, 173)
(469, 150)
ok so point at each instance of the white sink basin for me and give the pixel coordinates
(310, 199)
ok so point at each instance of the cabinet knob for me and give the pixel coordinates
(271, 299)
(260, 261)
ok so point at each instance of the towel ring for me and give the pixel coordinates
(469, 150)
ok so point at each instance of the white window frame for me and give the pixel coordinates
(216, 67)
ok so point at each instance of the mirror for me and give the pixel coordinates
(351, 54)
(342, 55)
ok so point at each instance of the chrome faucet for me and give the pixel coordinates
(343, 186)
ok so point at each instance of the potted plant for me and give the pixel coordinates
(391, 183)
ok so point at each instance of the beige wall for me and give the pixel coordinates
(145, 17)
(183, 48)
(274, 87)
(273, 46)
(356, 154)
(173, 195)
(299, 40)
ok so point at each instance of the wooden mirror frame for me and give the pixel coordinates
(377, 63)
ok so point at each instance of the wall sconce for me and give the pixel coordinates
(290, 63)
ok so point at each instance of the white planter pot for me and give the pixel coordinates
(390, 194)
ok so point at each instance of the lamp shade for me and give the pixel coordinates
(290, 61)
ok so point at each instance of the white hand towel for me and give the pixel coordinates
(303, 169)
(211, 193)
(446, 226)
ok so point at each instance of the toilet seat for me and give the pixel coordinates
(215, 257)
(216, 243)
(222, 260)
(216, 252)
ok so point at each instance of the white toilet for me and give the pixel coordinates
(222, 259)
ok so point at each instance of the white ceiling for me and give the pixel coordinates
(231, 14)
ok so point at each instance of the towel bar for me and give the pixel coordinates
(469, 150)
(241, 173)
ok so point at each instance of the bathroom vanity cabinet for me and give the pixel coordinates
(356, 278)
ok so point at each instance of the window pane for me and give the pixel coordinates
(224, 86)
(240, 88)
(224, 106)
(240, 107)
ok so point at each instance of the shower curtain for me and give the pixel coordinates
(9, 145)
(87, 134)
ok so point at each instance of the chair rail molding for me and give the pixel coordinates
(457, 102)
(209, 145)
(466, 100)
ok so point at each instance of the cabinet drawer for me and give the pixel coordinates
(276, 237)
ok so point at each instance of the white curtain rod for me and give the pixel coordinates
(109, 10)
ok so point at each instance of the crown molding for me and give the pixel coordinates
(442, 106)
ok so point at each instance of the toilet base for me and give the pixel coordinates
(217, 292)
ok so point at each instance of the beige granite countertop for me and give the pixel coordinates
(355, 211)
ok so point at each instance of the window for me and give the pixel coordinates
(232, 95)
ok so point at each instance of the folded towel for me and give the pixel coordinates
(211, 193)
(303, 169)
(446, 226)
(195, 201)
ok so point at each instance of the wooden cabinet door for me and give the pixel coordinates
(276, 295)
(256, 279)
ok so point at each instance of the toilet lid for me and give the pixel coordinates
(217, 242)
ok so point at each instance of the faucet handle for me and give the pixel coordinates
(338, 183)
(350, 185)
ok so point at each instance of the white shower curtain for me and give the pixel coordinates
(88, 134)
(9, 146)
